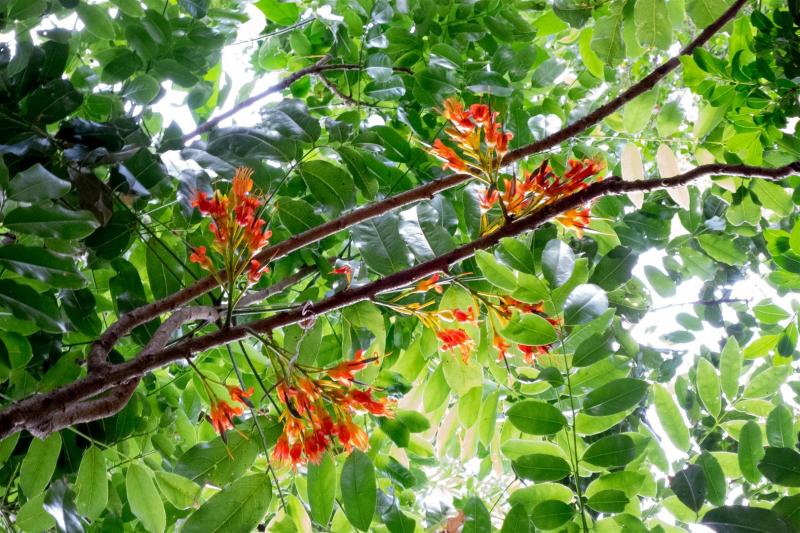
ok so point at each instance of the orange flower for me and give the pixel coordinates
(242, 182)
(456, 338)
(222, 416)
(501, 345)
(467, 316)
(488, 199)
(530, 353)
(481, 113)
(502, 142)
(344, 270)
(454, 112)
(241, 396)
(200, 257)
(431, 283)
(364, 400)
(352, 435)
(343, 372)
(255, 271)
(577, 219)
(448, 155)
(514, 197)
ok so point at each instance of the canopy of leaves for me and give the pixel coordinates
(115, 113)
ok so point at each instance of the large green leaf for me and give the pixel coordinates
(743, 519)
(41, 264)
(541, 467)
(26, 304)
(558, 262)
(536, 418)
(51, 221)
(652, 27)
(530, 329)
(615, 396)
(144, 499)
(584, 303)
(670, 417)
(322, 488)
(689, 485)
(611, 451)
(751, 451)
(238, 507)
(39, 464)
(330, 185)
(730, 367)
(215, 462)
(781, 466)
(358, 489)
(91, 485)
(380, 244)
(476, 516)
(37, 184)
(708, 387)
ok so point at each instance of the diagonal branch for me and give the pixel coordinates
(24, 413)
(98, 355)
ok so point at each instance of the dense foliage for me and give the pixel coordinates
(289, 315)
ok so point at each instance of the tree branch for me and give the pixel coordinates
(20, 414)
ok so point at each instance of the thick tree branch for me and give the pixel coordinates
(19, 415)
(76, 412)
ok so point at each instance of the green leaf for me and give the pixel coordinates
(530, 329)
(670, 417)
(750, 451)
(715, 478)
(517, 521)
(359, 496)
(584, 303)
(595, 348)
(637, 114)
(476, 516)
(689, 485)
(26, 304)
(237, 507)
(541, 467)
(573, 12)
(704, 12)
(773, 196)
(459, 375)
(182, 493)
(498, 275)
(51, 221)
(281, 13)
(788, 508)
(730, 367)
(164, 270)
(608, 501)
(91, 485)
(96, 20)
(743, 519)
(780, 427)
(217, 463)
(144, 499)
(781, 466)
(607, 41)
(615, 396)
(330, 185)
(614, 269)
(39, 464)
(322, 488)
(18, 349)
(767, 382)
(652, 27)
(37, 184)
(611, 451)
(536, 418)
(41, 264)
(662, 283)
(558, 262)
(769, 313)
(708, 387)
(424, 234)
(721, 248)
(196, 8)
(380, 244)
(551, 514)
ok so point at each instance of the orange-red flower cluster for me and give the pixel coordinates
(542, 187)
(222, 412)
(456, 338)
(238, 232)
(469, 128)
(319, 410)
(504, 311)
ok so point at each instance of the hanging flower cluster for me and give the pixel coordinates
(222, 412)
(480, 137)
(542, 187)
(238, 231)
(317, 410)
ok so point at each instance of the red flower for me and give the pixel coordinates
(200, 257)
(343, 372)
(454, 112)
(577, 219)
(364, 400)
(481, 113)
(501, 345)
(456, 338)
(255, 271)
(344, 270)
(431, 283)
(467, 316)
(448, 155)
(488, 199)
(222, 416)
(530, 353)
(241, 396)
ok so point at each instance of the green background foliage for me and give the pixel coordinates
(611, 431)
